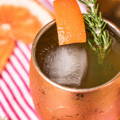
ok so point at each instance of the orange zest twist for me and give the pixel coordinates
(70, 22)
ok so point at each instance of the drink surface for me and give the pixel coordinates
(76, 65)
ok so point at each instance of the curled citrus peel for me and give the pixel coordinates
(70, 23)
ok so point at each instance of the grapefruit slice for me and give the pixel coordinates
(24, 26)
(19, 20)
(25, 18)
(70, 23)
(6, 48)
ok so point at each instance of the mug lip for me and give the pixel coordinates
(80, 90)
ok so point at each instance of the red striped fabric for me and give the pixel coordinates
(15, 99)
(16, 102)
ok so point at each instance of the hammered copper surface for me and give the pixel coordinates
(54, 102)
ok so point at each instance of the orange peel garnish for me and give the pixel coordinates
(70, 22)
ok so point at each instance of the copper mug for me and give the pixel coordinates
(56, 102)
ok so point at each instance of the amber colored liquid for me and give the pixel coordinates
(100, 73)
(76, 65)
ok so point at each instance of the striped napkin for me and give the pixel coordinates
(15, 99)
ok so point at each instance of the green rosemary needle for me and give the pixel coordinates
(101, 40)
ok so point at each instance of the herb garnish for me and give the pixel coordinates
(101, 41)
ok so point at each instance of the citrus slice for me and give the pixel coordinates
(6, 48)
(19, 20)
(24, 18)
(6, 44)
(70, 23)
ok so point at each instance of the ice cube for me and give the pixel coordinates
(66, 65)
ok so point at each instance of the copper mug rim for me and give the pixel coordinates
(83, 90)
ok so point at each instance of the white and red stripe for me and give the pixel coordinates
(15, 99)
(16, 102)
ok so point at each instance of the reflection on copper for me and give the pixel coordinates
(111, 10)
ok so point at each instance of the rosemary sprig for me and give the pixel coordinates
(101, 41)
